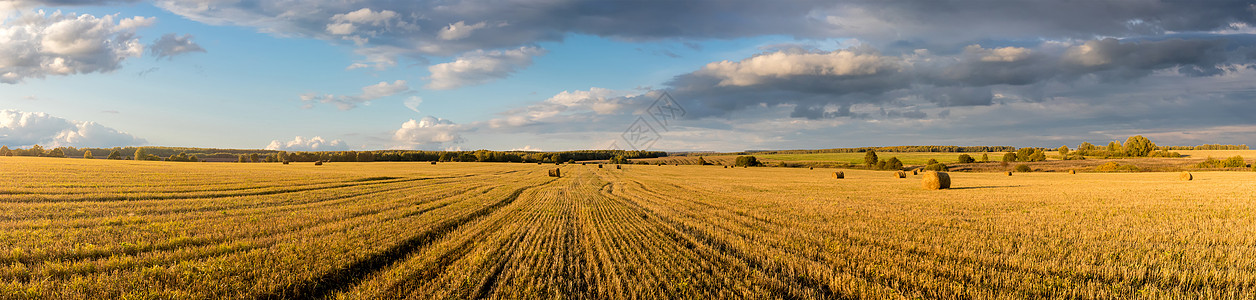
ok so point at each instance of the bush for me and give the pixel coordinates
(965, 159)
(936, 167)
(1038, 155)
(931, 161)
(985, 158)
(870, 159)
(746, 161)
(620, 160)
(1234, 162)
(1023, 168)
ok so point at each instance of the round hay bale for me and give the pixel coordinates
(1009, 173)
(914, 173)
(1072, 171)
(318, 163)
(900, 174)
(433, 163)
(936, 181)
(599, 166)
(285, 162)
(839, 175)
(617, 167)
(1186, 176)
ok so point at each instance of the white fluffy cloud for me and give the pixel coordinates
(480, 66)
(39, 44)
(300, 143)
(172, 44)
(20, 129)
(460, 30)
(369, 93)
(782, 64)
(428, 133)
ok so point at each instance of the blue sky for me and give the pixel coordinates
(557, 75)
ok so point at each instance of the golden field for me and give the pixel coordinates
(77, 229)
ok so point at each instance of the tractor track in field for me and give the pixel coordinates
(344, 278)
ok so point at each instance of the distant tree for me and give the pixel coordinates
(1023, 168)
(893, 164)
(619, 159)
(253, 157)
(702, 161)
(1114, 147)
(56, 152)
(140, 154)
(281, 156)
(1138, 146)
(936, 167)
(1086, 147)
(4, 151)
(966, 159)
(35, 150)
(1038, 155)
(242, 158)
(985, 158)
(115, 155)
(1023, 154)
(931, 161)
(1009, 157)
(88, 154)
(746, 161)
(1063, 151)
(366, 156)
(1234, 162)
(870, 158)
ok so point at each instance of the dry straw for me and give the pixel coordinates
(936, 181)
(555, 173)
(1072, 171)
(839, 175)
(1186, 176)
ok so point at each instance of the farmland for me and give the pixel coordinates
(77, 229)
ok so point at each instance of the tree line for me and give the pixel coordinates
(893, 149)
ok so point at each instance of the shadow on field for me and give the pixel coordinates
(985, 187)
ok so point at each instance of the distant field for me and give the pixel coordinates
(1219, 154)
(908, 158)
(78, 229)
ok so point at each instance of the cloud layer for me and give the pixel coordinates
(39, 44)
(22, 129)
(369, 93)
(300, 143)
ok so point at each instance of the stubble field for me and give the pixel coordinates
(74, 228)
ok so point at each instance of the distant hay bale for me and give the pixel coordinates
(1009, 173)
(726, 167)
(599, 166)
(900, 174)
(285, 162)
(617, 167)
(433, 163)
(1186, 176)
(914, 172)
(839, 175)
(555, 173)
(936, 181)
(538, 163)
(811, 168)
(318, 163)
(1072, 171)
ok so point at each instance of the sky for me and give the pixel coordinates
(550, 75)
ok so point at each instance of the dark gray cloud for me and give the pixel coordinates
(171, 44)
(824, 84)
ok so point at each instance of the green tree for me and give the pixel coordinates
(1038, 155)
(985, 158)
(4, 151)
(870, 159)
(242, 158)
(893, 164)
(1114, 147)
(1063, 152)
(1138, 146)
(746, 161)
(115, 155)
(966, 159)
(1086, 147)
(35, 150)
(366, 156)
(253, 157)
(88, 154)
(620, 159)
(56, 152)
(1023, 154)
(140, 154)
(1009, 157)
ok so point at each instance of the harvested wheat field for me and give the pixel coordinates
(76, 229)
